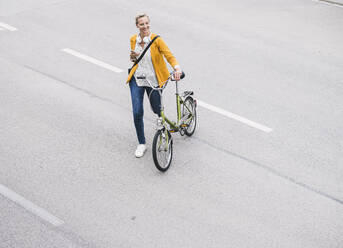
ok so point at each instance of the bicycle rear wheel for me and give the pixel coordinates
(189, 115)
(162, 149)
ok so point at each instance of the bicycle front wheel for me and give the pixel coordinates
(162, 150)
(189, 115)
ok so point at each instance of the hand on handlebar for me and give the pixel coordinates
(177, 74)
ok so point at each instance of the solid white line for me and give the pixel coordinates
(8, 27)
(234, 116)
(92, 60)
(30, 206)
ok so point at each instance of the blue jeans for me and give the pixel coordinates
(137, 97)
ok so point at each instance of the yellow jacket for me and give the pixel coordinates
(158, 49)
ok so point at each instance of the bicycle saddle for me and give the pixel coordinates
(188, 92)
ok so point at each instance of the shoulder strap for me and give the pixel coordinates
(145, 50)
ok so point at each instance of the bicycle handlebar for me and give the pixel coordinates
(170, 78)
(181, 77)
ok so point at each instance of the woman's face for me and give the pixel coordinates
(144, 25)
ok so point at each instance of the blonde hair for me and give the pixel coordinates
(140, 16)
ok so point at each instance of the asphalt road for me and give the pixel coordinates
(68, 175)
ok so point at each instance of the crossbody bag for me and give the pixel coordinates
(143, 53)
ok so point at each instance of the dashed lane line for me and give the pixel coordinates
(200, 103)
(8, 27)
(234, 116)
(31, 207)
(92, 60)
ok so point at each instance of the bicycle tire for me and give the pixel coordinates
(189, 110)
(162, 152)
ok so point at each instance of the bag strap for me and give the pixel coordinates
(145, 50)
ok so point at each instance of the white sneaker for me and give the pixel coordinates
(140, 150)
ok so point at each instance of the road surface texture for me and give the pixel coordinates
(68, 175)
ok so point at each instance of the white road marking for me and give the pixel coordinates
(92, 60)
(200, 103)
(328, 2)
(30, 206)
(8, 27)
(234, 116)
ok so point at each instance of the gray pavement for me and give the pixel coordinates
(67, 136)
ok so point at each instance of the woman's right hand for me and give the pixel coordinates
(133, 56)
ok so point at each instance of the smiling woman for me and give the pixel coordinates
(143, 24)
(151, 69)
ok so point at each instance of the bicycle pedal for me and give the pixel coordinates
(184, 125)
(172, 130)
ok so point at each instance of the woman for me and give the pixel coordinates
(151, 68)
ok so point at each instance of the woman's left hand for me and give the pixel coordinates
(133, 56)
(177, 74)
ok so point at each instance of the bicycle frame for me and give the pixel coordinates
(174, 125)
